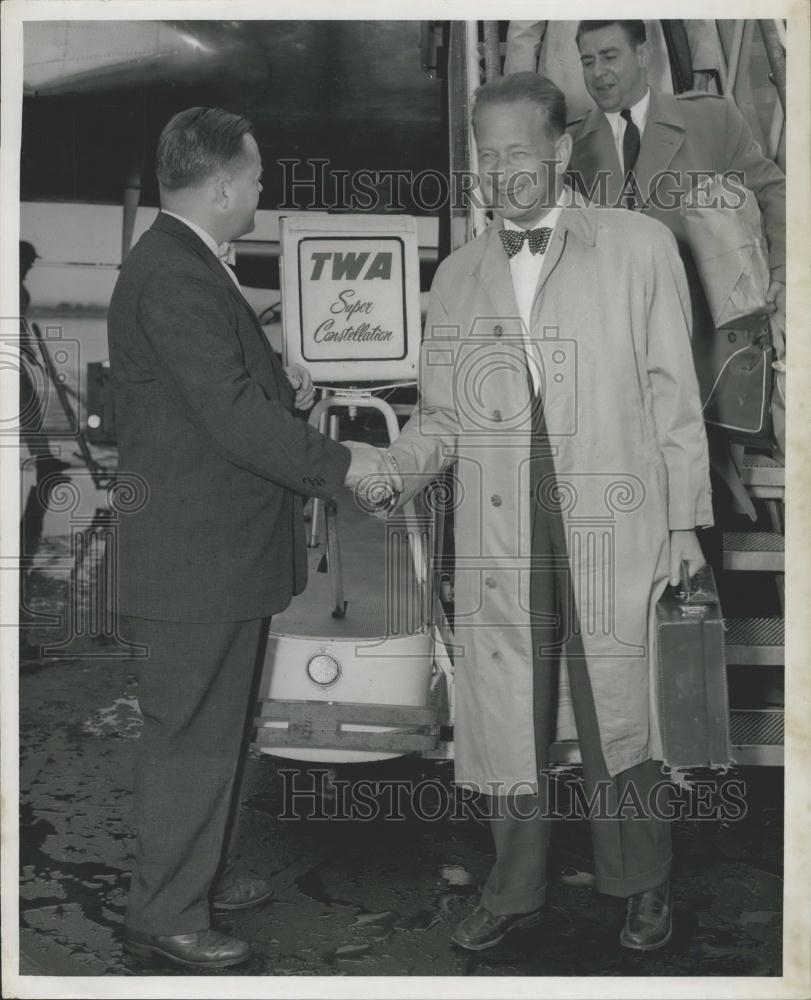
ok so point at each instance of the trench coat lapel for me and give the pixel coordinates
(573, 219)
(493, 270)
(595, 153)
(661, 140)
(550, 258)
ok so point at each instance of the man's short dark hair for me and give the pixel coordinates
(28, 254)
(525, 87)
(634, 30)
(197, 143)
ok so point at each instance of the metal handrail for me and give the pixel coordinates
(492, 54)
(478, 219)
(734, 61)
(776, 54)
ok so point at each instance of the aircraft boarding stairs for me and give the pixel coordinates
(757, 643)
(752, 643)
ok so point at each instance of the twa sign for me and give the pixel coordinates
(350, 296)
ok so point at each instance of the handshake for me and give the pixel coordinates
(374, 477)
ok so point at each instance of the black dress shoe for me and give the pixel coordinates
(483, 929)
(241, 893)
(648, 922)
(200, 950)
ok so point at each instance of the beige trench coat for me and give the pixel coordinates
(610, 331)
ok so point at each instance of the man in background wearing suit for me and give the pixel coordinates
(684, 55)
(664, 141)
(647, 150)
(207, 426)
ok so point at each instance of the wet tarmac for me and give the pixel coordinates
(352, 897)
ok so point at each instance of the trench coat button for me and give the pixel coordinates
(497, 416)
(495, 500)
(497, 656)
(490, 582)
(498, 330)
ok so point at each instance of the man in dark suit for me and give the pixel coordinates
(666, 141)
(208, 432)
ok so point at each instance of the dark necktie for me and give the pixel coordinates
(631, 142)
(513, 239)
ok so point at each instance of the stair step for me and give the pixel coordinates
(754, 550)
(757, 736)
(763, 476)
(754, 641)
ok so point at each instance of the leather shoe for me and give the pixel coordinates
(206, 949)
(648, 922)
(242, 893)
(483, 929)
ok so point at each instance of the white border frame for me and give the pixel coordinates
(796, 979)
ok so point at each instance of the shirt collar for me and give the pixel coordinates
(550, 219)
(639, 113)
(207, 238)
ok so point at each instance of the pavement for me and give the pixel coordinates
(353, 896)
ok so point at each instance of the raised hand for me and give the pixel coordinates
(301, 380)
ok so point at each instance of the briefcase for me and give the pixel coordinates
(692, 685)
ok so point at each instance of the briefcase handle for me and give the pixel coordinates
(698, 590)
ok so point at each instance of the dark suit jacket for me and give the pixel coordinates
(205, 416)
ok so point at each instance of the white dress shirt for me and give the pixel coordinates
(639, 115)
(210, 242)
(525, 269)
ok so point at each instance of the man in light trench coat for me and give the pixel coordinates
(556, 371)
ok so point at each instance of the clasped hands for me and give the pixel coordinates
(371, 474)
(373, 477)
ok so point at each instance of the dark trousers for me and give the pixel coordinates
(631, 853)
(197, 692)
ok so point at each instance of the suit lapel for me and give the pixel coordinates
(661, 140)
(190, 239)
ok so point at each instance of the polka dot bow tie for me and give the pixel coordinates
(513, 239)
